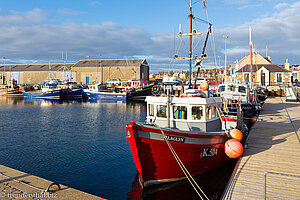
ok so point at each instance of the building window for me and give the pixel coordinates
(242, 89)
(161, 111)
(180, 112)
(279, 77)
(246, 78)
(197, 113)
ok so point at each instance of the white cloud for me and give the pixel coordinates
(95, 3)
(247, 6)
(34, 16)
(68, 11)
(281, 5)
(280, 33)
(236, 2)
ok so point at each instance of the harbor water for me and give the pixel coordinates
(83, 145)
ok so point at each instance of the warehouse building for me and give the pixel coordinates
(34, 73)
(84, 71)
(94, 71)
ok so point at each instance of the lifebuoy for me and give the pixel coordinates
(155, 89)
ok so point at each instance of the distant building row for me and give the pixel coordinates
(264, 72)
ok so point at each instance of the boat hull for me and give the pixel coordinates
(74, 93)
(106, 95)
(155, 162)
(56, 94)
(140, 94)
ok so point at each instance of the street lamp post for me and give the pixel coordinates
(101, 71)
(219, 68)
(3, 71)
(225, 37)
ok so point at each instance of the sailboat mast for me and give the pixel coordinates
(191, 16)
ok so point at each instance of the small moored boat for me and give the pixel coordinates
(99, 91)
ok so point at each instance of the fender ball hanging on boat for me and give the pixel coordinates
(254, 119)
(204, 86)
(236, 134)
(233, 148)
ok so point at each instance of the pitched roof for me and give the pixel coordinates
(111, 63)
(67, 66)
(270, 67)
(35, 67)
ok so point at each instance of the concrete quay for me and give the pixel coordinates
(270, 165)
(15, 184)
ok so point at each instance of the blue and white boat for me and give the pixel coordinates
(71, 90)
(99, 91)
(49, 91)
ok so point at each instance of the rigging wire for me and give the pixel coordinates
(212, 40)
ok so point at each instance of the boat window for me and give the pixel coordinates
(231, 87)
(208, 110)
(242, 89)
(222, 88)
(180, 112)
(197, 113)
(213, 112)
(161, 111)
(151, 109)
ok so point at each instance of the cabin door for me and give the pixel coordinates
(263, 79)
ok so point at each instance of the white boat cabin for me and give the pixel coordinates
(185, 113)
(235, 91)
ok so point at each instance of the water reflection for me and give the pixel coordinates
(52, 102)
(212, 183)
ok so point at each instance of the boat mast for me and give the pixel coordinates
(251, 64)
(191, 16)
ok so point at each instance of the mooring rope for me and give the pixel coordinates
(183, 168)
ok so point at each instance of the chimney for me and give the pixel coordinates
(287, 65)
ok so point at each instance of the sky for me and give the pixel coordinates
(35, 31)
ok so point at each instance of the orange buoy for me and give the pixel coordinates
(233, 148)
(236, 134)
(203, 86)
(254, 119)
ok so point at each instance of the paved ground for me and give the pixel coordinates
(273, 146)
(12, 187)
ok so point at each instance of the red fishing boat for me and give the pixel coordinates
(183, 135)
